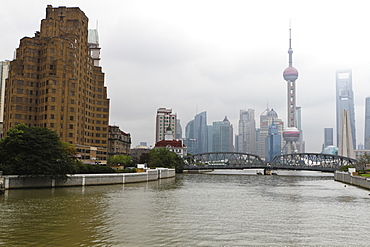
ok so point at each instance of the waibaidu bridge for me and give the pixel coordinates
(296, 161)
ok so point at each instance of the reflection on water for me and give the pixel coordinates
(196, 209)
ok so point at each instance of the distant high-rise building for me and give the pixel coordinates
(189, 140)
(4, 69)
(189, 130)
(165, 118)
(210, 138)
(345, 101)
(300, 143)
(328, 137)
(246, 140)
(201, 132)
(178, 130)
(268, 118)
(272, 143)
(222, 136)
(367, 124)
(53, 82)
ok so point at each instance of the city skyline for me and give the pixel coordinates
(218, 65)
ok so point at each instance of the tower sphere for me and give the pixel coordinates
(291, 134)
(290, 74)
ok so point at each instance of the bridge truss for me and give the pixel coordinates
(296, 161)
(223, 160)
(312, 161)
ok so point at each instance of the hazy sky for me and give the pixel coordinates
(216, 56)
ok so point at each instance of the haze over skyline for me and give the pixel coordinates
(216, 56)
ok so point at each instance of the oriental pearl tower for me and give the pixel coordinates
(291, 133)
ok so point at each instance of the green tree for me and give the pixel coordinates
(364, 159)
(162, 157)
(144, 158)
(36, 151)
(120, 159)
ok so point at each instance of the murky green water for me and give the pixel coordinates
(191, 210)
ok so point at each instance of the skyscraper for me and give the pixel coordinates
(54, 83)
(201, 132)
(367, 124)
(189, 140)
(345, 101)
(178, 130)
(272, 143)
(222, 138)
(246, 140)
(4, 69)
(165, 118)
(328, 137)
(268, 118)
(300, 142)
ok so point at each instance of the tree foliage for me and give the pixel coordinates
(364, 159)
(120, 159)
(36, 151)
(162, 157)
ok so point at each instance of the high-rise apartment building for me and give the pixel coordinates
(247, 132)
(367, 124)
(165, 119)
(268, 118)
(345, 101)
(53, 82)
(222, 138)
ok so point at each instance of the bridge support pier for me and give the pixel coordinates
(267, 171)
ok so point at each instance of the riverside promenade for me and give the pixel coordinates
(23, 182)
(349, 178)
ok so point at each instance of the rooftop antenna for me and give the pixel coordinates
(97, 24)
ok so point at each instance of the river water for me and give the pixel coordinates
(217, 209)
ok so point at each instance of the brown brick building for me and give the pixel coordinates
(54, 83)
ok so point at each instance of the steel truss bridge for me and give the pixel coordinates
(296, 161)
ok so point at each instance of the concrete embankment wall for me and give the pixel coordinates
(20, 182)
(347, 178)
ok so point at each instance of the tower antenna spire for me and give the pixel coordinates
(290, 51)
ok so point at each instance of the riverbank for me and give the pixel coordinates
(22, 182)
(348, 178)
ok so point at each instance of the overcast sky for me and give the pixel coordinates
(216, 56)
